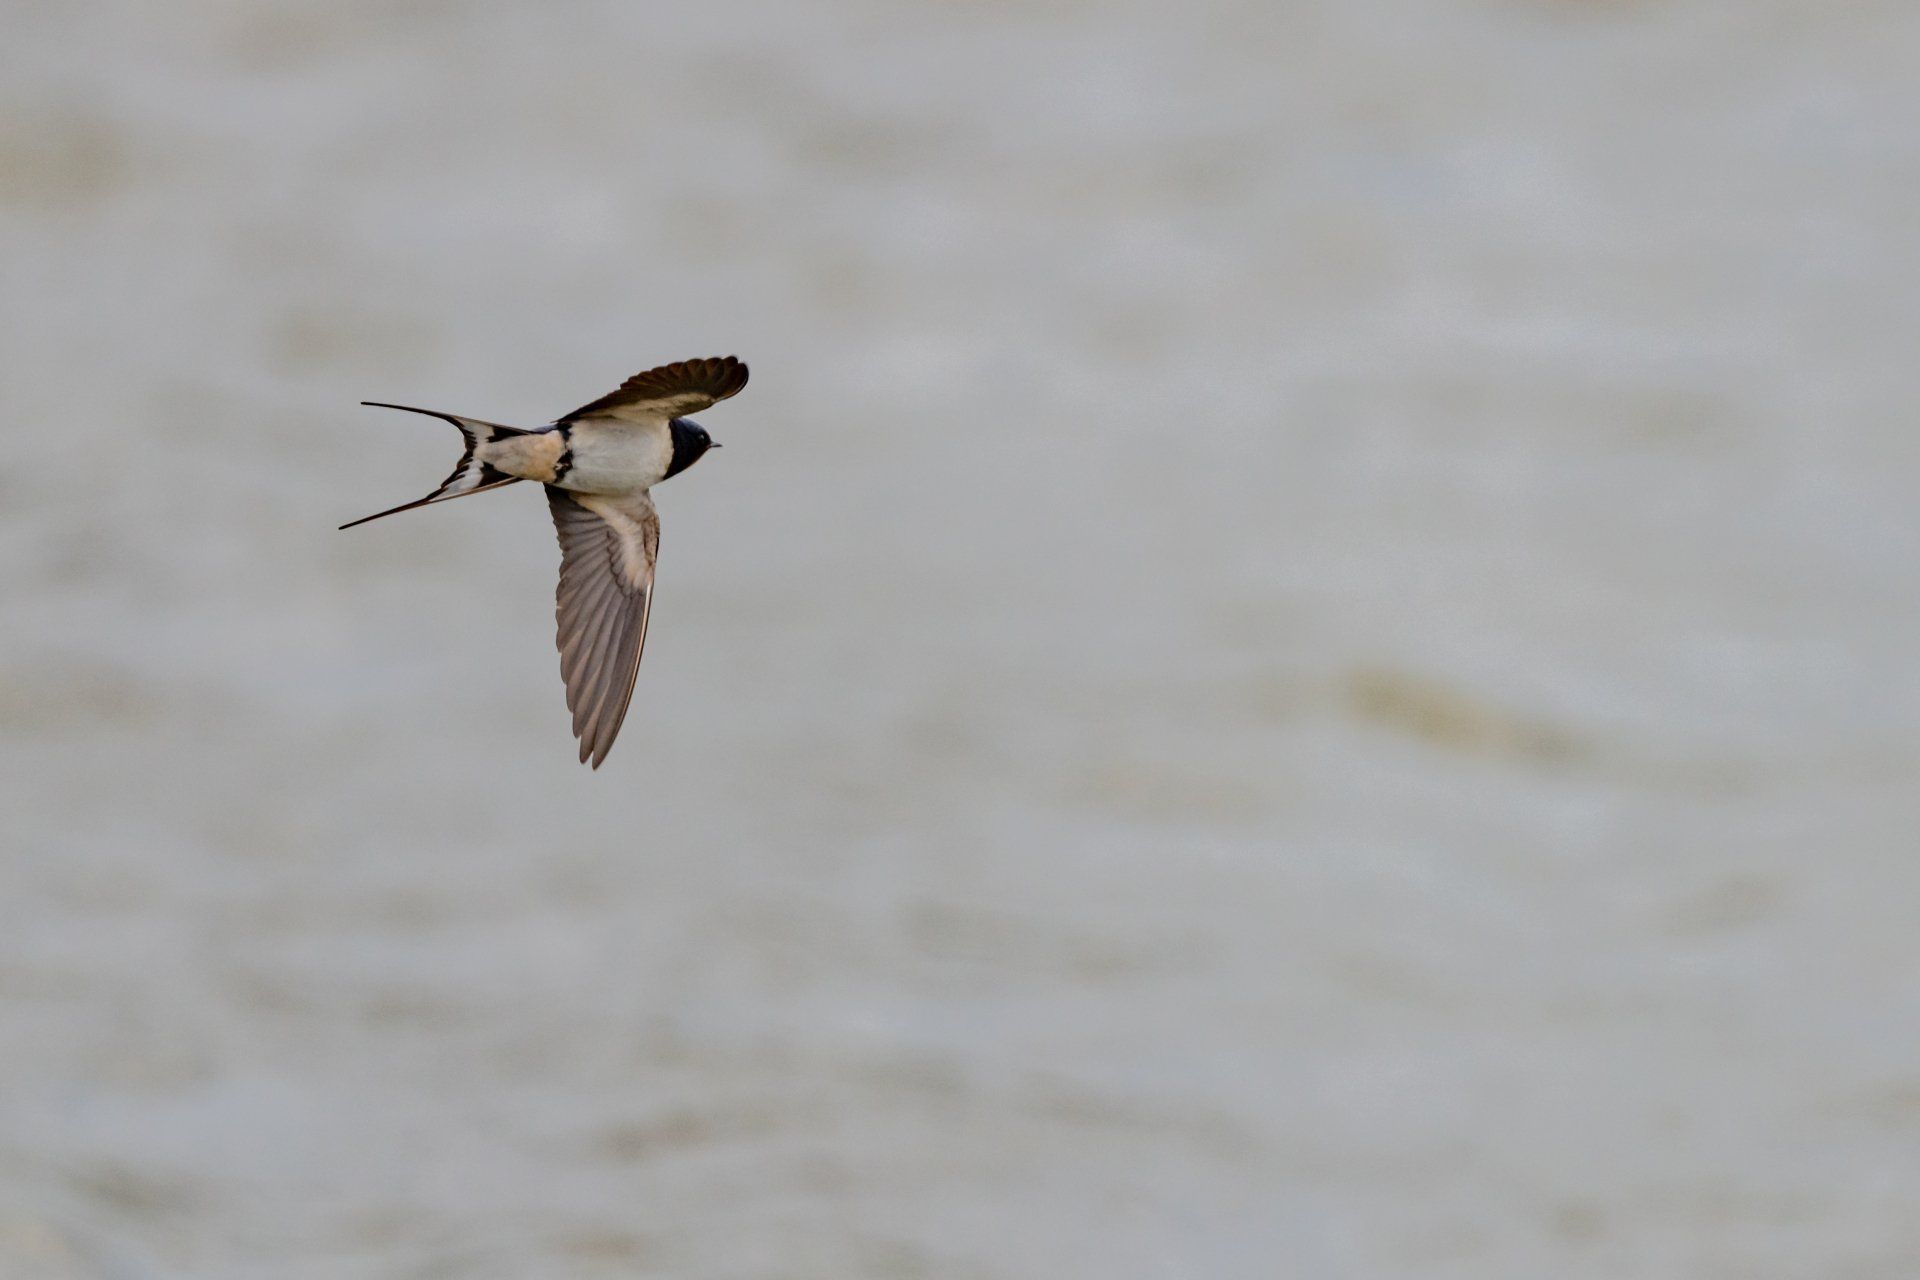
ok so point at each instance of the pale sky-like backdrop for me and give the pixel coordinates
(1300, 661)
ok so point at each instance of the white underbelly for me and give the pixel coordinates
(616, 459)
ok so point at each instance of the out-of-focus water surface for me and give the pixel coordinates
(1300, 661)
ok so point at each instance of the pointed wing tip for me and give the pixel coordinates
(596, 744)
(727, 374)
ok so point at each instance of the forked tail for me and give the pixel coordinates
(470, 474)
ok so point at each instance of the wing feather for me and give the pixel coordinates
(671, 391)
(607, 552)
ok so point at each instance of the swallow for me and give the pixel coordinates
(598, 465)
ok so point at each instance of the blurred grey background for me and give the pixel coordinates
(1299, 664)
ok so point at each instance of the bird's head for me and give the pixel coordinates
(690, 440)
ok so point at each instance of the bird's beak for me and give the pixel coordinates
(713, 444)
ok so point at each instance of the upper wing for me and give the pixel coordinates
(671, 391)
(607, 550)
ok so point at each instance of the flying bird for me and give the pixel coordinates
(598, 464)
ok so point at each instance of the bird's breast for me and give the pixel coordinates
(611, 459)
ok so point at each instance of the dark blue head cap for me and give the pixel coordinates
(690, 440)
